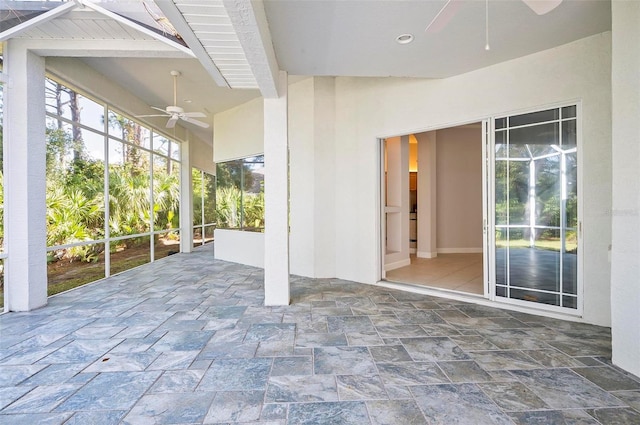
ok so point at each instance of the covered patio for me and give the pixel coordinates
(188, 340)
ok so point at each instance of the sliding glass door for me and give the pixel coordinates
(536, 207)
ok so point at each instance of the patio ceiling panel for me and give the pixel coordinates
(212, 26)
(230, 36)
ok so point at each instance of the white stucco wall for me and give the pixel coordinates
(239, 132)
(201, 157)
(239, 247)
(302, 183)
(312, 182)
(369, 108)
(625, 272)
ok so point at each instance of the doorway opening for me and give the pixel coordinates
(434, 210)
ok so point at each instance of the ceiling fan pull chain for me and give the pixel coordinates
(486, 26)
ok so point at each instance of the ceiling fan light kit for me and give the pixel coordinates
(175, 112)
(542, 7)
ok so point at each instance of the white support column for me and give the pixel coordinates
(186, 197)
(276, 197)
(625, 268)
(24, 179)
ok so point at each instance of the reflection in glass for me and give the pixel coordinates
(536, 208)
(501, 256)
(502, 189)
(518, 207)
(535, 296)
(569, 112)
(534, 117)
(569, 135)
(542, 134)
(253, 196)
(239, 199)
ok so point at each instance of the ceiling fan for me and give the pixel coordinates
(175, 112)
(450, 8)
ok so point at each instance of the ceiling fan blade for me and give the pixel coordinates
(196, 122)
(541, 7)
(149, 116)
(194, 115)
(159, 109)
(172, 121)
(443, 17)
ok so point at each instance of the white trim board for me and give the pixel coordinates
(397, 264)
(460, 250)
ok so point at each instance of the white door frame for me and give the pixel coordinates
(488, 206)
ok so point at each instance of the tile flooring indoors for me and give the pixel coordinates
(456, 272)
(187, 340)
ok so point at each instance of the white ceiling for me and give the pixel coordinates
(357, 38)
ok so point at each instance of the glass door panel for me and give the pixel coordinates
(536, 196)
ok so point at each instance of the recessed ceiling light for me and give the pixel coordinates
(187, 101)
(404, 38)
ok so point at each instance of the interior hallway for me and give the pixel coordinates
(456, 272)
(187, 340)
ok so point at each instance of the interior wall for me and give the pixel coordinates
(459, 189)
(370, 108)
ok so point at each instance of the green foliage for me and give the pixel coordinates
(228, 207)
(72, 217)
(236, 210)
(254, 211)
(129, 204)
(75, 194)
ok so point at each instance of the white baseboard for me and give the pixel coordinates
(460, 250)
(397, 264)
(421, 254)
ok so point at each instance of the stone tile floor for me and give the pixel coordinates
(186, 340)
